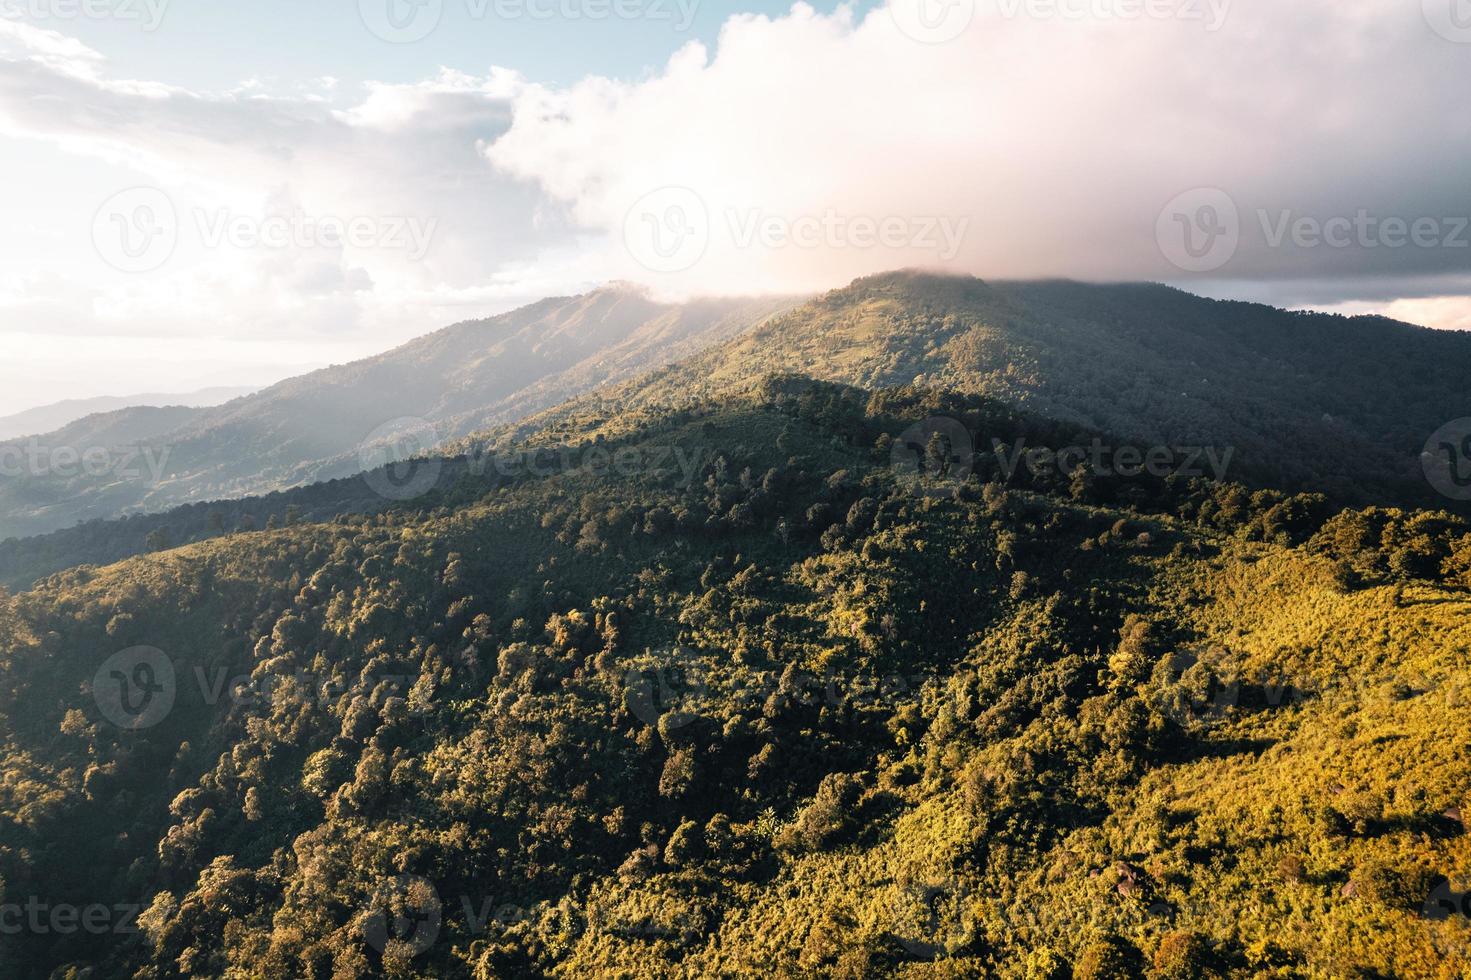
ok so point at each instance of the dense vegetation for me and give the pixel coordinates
(1307, 401)
(757, 701)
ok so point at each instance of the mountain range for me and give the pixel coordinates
(1353, 398)
(317, 426)
(1341, 405)
(733, 692)
(766, 657)
(49, 418)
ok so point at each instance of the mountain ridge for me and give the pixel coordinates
(315, 426)
(1307, 399)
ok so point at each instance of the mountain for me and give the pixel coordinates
(322, 425)
(740, 691)
(49, 418)
(1299, 401)
(1339, 405)
(58, 415)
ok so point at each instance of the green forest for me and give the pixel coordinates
(772, 679)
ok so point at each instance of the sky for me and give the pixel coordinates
(200, 193)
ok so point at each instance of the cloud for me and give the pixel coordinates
(1442, 312)
(1028, 138)
(1056, 139)
(249, 178)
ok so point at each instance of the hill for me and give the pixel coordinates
(1306, 401)
(740, 691)
(321, 425)
(49, 418)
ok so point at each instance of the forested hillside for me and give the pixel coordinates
(319, 426)
(771, 684)
(1321, 402)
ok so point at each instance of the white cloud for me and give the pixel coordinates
(819, 146)
(1441, 312)
(1059, 139)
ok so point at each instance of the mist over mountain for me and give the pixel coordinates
(1339, 405)
(318, 426)
(49, 418)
